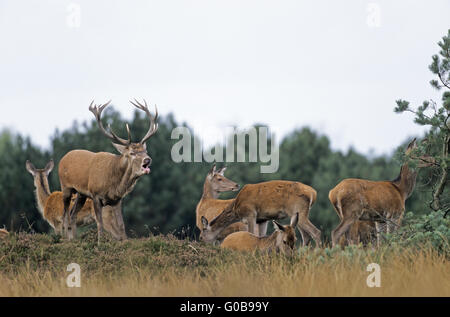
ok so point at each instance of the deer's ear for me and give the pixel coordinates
(204, 222)
(212, 170)
(222, 170)
(278, 226)
(30, 168)
(120, 148)
(49, 167)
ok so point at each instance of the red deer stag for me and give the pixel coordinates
(106, 178)
(272, 200)
(376, 201)
(210, 206)
(51, 207)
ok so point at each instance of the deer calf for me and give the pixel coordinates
(272, 200)
(51, 205)
(381, 202)
(281, 240)
(210, 206)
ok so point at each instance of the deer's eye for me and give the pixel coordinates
(219, 179)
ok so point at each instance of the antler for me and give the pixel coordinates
(97, 111)
(153, 125)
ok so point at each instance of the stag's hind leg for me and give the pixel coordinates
(311, 230)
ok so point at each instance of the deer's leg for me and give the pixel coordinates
(262, 228)
(79, 203)
(98, 206)
(67, 197)
(118, 219)
(307, 226)
(340, 230)
(305, 236)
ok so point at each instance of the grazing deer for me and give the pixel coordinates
(106, 178)
(210, 206)
(281, 240)
(272, 200)
(51, 205)
(3, 233)
(376, 201)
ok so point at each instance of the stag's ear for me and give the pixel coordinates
(278, 226)
(49, 167)
(119, 147)
(222, 170)
(204, 222)
(30, 168)
(213, 170)
(294, 220)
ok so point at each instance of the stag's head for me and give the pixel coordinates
(39, 175)
(218, 182)
(285, 239)
(420, 160)
(132, 154)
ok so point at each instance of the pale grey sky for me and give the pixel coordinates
(336, 66)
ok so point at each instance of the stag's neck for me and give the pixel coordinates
(42, 192)
(208, 193)
(405, 181)
(127, 180)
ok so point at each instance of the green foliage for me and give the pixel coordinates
(429, 230)
(437, 117)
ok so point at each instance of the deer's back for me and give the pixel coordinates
(86, 171)
(275, 196)
(371, 195)
(3, 233)
(241, 241)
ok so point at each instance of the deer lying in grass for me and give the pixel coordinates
(281, 240)
(258, 203)
(3, 233)
(210, 206)
(376, 201)
(51, 205)
(106, 178)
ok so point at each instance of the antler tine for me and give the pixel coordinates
(97, 111)
(153, 124)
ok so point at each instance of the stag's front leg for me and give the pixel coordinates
(98, 206)
(67, 198)
(79, 203)
(119, 220)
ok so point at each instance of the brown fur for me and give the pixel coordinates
(51, 206)
(209, 206)
(3, 233)
(282, 240)
(373, 201)
(258, 203)
(104, 177)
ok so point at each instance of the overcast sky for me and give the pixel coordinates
(337, 66)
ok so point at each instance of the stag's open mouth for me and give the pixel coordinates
(146, 168)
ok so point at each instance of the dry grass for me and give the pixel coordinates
(161, 266)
